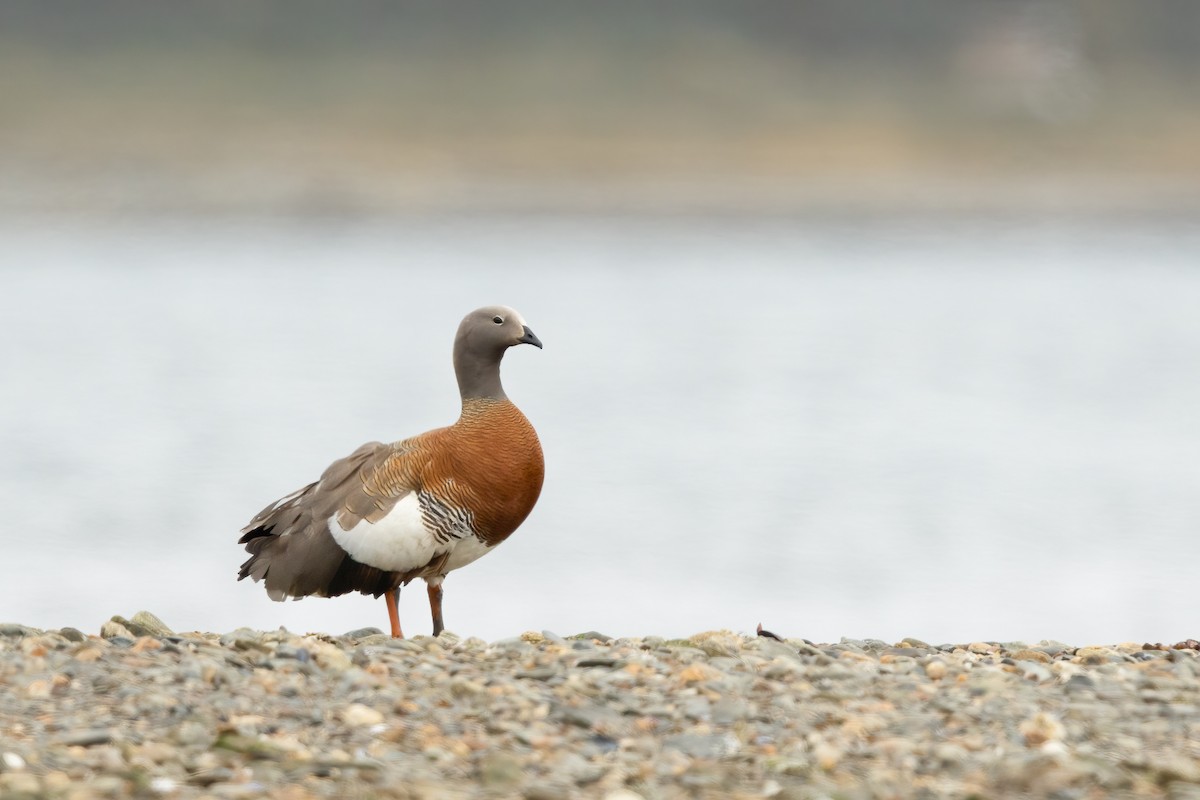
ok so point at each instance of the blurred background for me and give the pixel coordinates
(861, 319)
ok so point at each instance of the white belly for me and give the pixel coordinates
(397, 543)
(465, 551)
(400, 541)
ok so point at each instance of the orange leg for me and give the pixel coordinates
(394, 613)
(435, 605)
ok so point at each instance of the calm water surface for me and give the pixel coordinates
(955, 430)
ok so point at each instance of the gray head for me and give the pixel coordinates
(482, 338)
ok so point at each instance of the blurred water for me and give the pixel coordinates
(956, 430)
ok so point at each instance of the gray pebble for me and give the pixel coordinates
(362, 633)
(700, 745)
(13, 629)
(513, 645)
(598, 662)
(500, 771)
(698, 708)
(236, 715)
(589, 716)
(1077, 683)
(71, 634)
(291, 651)
(538, 673)
(729, 710)
(87, 738)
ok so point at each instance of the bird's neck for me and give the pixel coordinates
(478, 376)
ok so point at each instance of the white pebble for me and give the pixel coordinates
(356, 714)
(163, 785)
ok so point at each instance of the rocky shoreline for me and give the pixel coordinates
(140, 711)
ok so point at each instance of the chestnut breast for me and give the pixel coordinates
(489, 463)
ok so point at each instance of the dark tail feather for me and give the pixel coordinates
(351, 576)
(257, 533)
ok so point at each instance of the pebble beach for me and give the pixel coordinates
(138, 710)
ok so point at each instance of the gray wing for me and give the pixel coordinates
(289, 541)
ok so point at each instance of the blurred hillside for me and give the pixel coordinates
(365, 106)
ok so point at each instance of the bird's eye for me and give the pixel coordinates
(498, 320)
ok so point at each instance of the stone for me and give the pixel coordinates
(144, 623)
(547, 790)
(1097, 655)
(661, 717)
(905, 652)
(113, 630)
(576, 768)
(950, 754)
(245, 639)
(291, 651)
(729, 710)
(191, 733)
(358, 715)
(362, 633)
(590, 717)
(1052, 648)
(699, 673)
(1077, 683)
(1034, 671)
(827, 755)
(500, 771)
(1042, 728)
(328, 656)
(252, 746)
(598, 661)
(701, 745)
(1170, 768)
(13, 629)
(773, 649)
(538, 674)
(697, 708)
(163, 785)
(718, 643)
(86, 738)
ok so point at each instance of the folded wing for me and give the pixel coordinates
(291, 546)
